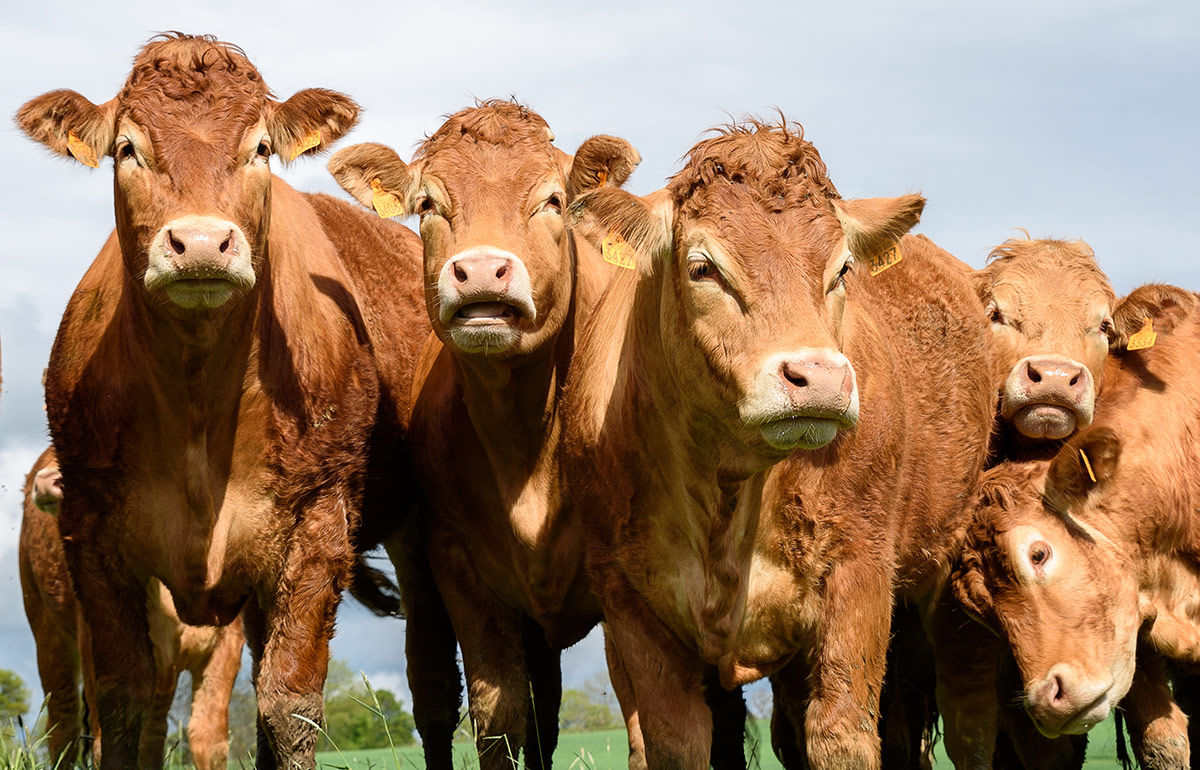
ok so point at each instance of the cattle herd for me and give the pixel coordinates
(751, 427)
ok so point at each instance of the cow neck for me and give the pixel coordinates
(513, 403)
(197, 368)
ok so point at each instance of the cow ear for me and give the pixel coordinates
(610, 215)
(969, 586)
(70, 125)
(602, 161)
(874, 225)
(1085, 464)
(369, 170)
(310, 121)
(1167, 306)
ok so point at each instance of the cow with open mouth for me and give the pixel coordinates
(214, 393)
(507, 290)
(772, 429)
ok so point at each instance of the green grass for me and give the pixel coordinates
(609, 750)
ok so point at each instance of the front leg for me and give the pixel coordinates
(789, 691)
(490, 635)
(623, 689)
(544, 665)
(841, 723)
(968, 684)
(213, 678)
(667, 682)
(1157, 726)
(288, 627)
(120, 659)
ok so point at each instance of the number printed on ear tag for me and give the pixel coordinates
(385, 204)
(617, 251)
(884, 259)
(1144, 338)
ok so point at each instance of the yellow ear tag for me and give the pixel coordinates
(82, 151)
(884, 259)
(616, 251)
(1143, 339)
(601, 178)
(385, 204)
(1087, 465)
(310, 140)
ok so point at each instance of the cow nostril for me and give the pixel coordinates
(1055, 689)
(1033, 374)
(225, 244)
(1075, 379)
(799, 380)
(175, 244)
(460, 275)
(502, 271)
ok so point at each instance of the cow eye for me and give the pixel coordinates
(1106, 326)
(840, 281)
(426, 206)
(125, 151)
(1039, 554)
(699, 269)
(553, 204)
(993, 313)
(264, 149)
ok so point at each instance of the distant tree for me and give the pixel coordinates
(583, 711)
(14, 699)
(351, 720)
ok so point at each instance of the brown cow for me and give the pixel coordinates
(212, 389)
(507, 288)
(1054, 318)
(212, 655)
(1077, 560)
(751, 330)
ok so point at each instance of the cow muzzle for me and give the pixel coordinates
(1067, 701)
(47, 490)
(199, 262)
(1048, 397)
(800, 400)
(484, 295)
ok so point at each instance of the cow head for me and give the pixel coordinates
(47, 489)
(490, 189)
(191, 136)
(1045, 570)
(751, 260)
(1054, 319)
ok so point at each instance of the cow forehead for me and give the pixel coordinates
(482, 171)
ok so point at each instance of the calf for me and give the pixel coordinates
(750, 334)
(212, 655)
(507, 288)
(214, 386)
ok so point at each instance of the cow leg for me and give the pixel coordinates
(153, 742)
(623, 689)
(490, 635)
(58, 669)
(728, 707)
(431, 649)
(212, 686)
(675, 721)
(789, 688)
(544, 665)
(1157, 726)
(968, 682)
(291, 625)
(91, 713)
(842, 721)
(122, 661)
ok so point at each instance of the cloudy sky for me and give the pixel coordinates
(1071, 119)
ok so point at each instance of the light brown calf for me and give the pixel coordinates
(507, 288)
(218, 379)
(1085, 565)
(751, 330)
(212, 655)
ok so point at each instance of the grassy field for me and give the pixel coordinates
(608, 750)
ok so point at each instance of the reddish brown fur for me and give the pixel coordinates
(1143, 509)
(222, 450)
(701, 553)
(212, 655)
(504, 545)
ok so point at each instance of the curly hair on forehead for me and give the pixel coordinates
(181, 67)
(501, 122)
(772, 159)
